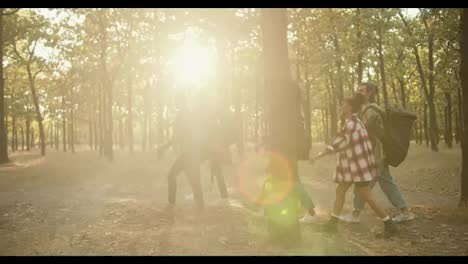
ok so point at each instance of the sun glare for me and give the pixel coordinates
(193, 64)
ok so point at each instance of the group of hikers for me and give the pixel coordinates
(203, 131)
(362, 161)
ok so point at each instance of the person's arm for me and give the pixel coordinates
(340, 143)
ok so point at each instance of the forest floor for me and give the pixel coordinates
(80, 204)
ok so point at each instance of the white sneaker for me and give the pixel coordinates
(309, 219)
(189, 197)
(350, 218)
(403, 217)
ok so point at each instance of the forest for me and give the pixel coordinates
(97, 91)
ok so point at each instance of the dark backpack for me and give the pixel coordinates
(397, 133)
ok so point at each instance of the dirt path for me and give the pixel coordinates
(430, 184)
(80, 204)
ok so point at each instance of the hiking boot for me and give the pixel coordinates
(309, 219)
(403, 217)
(390, 228)
(349, 218)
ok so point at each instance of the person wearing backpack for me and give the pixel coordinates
(372, 118)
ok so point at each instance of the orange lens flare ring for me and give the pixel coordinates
(251, 178)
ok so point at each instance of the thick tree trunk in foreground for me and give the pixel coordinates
(464, 81)
(3, 134)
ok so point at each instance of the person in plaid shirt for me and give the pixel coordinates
(356, 164)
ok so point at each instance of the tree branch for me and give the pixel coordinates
(34, 76)
(11, 12)
(31, 52)
(16, 52)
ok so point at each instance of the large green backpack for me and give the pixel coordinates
(397, 132)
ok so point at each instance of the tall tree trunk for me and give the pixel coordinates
(419, 125)
(449, 120)
(359, 45)
(426, 133)
(382, 68)
(402, 92)
(282, 100)
(69, 135)
(90, 132)
(446, 125)
(460, 114)
(420, 132)
(28, 134)
(57, 133)
(121, 134)
(6, 130)
(457, 129)
(51, 127)
(160, 115)
(13, 124)
(3, 133)
(130, 113)
(239, 119)
(307, 113)
(432, 113)
(339, 72)
(13, 131)
(71, 132)
(332, 108)
(377, 80)
(144, 132)
(324, 124)
(37, 108)
(150, 132)
(76, 136)
(101, 108)
(64, 125)
(96, 126)
(32, 138)
(416, 129)
(429, 95)
(107, 86)
(257, 109)
(16, 136)
(442, 115)
(464, 82)
(22, 138)
(327, 126)
(147, 107)
(395, 97)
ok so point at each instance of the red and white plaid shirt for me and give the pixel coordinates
(356, 162)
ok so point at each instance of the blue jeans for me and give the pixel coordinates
(304, 197)
(388, 186)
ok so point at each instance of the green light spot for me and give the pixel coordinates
(284, 212)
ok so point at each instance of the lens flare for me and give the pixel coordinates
(193, 64)
(265, 178)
